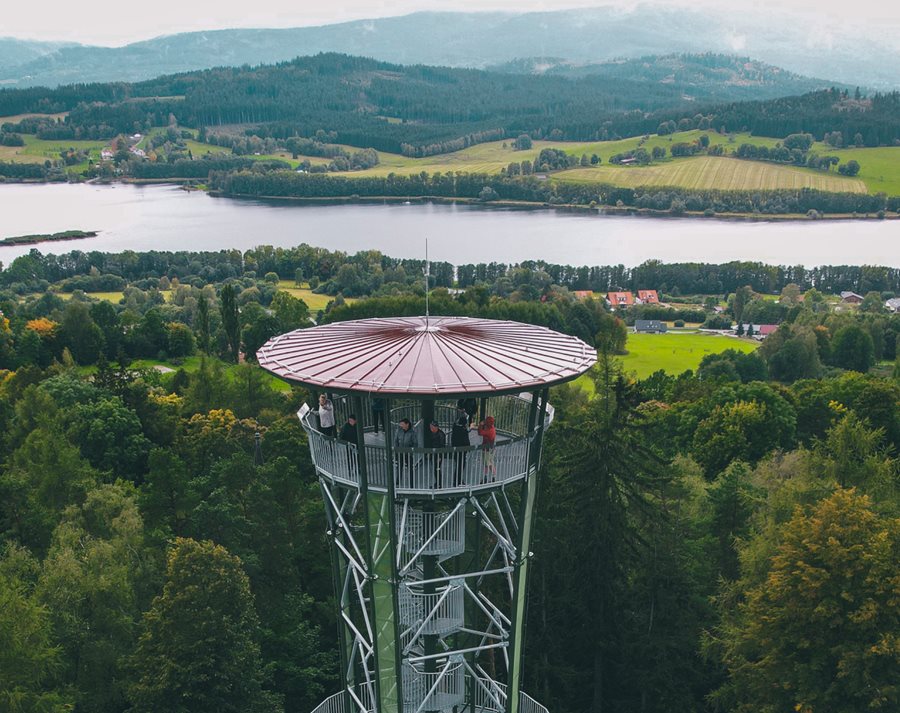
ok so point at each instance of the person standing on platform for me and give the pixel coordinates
(436, 438)
(488, 434)
(459, 438)
(326, 416)
(349, 430)
(405, 437)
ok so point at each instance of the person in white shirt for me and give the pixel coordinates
(326, 416)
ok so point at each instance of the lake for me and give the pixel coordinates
(168, 218)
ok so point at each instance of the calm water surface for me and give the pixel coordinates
(168, 218)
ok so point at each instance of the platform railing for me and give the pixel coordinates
(440, 690)
(510, 412)
(489, 697)
(441, 534)
(423, 471)
(362, 700)
(440, 612)
(527, 704)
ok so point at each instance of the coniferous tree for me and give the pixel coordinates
(202, 325)
(231, 321)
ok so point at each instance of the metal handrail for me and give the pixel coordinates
(423, 470)
(440, 690)
(440, 612)
(510, 411)
(429, 533)
(343, 701)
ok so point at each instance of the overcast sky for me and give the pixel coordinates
(112, 22)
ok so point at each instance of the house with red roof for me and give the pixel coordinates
(620, 299)
(648, 297)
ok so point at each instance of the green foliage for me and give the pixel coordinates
(198, 649)
(42, 477)
(29, 659)
(818, 630)
(90, 582)
(110, 436)
(852, 348)
(80, 334)
(231, 321)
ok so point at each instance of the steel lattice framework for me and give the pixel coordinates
(430, 546)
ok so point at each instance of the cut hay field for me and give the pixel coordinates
(880, 167)
(674, 352)
(714, 172)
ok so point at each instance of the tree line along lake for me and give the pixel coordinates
(165, 217)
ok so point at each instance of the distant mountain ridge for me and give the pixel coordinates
(484, 39)
(15, 52)
(700, 76)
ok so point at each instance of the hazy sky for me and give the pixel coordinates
(112, 22)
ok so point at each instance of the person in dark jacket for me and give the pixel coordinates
(459, 438)
(405, 437)
(349, 431)
(436, 438)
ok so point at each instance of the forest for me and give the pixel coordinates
(719, 540)
(421, 110)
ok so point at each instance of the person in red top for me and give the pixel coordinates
(488, 438)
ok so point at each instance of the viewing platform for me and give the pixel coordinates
(429, 471)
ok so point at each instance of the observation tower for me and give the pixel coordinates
(429, 542)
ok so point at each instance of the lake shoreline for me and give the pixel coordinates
(190, 184)
(564, 207)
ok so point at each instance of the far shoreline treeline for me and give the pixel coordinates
(370, 271)
(486, 189)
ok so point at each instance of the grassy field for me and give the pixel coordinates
(674, 352)
(880, 167)
(16, 118)
(199, 149)
(714, 172)
(114, 297)
(192, 364)
(39, 150)
(314, 301)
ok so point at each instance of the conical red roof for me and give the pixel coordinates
(446, 355)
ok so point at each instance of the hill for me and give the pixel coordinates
(805, 45)
(422, 111)
(702, 77)
(15, 52)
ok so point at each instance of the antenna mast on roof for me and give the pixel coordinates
(427, 272)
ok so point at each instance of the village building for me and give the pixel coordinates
(620, 299)
(650, 326)
(757, 331)
(851, 298)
